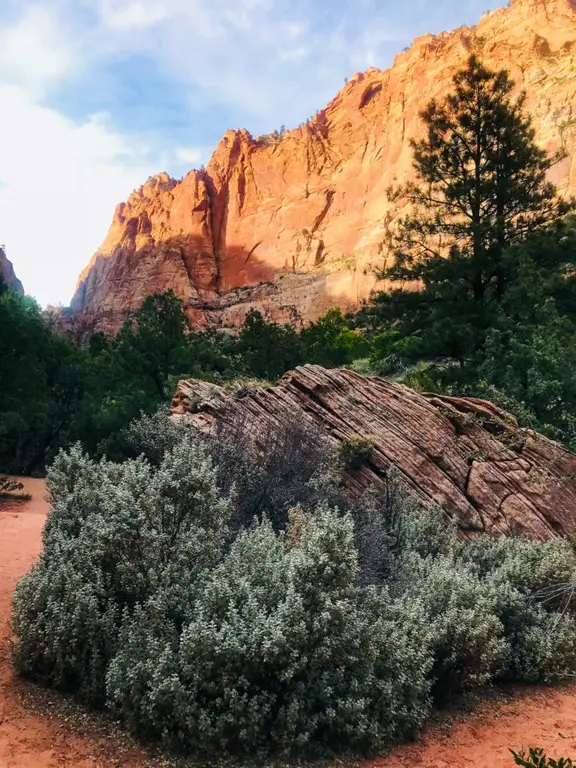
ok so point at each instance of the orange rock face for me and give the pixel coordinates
(7, 273)
(297, 225)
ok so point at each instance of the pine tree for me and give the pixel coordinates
(152, 341)
(481, 188)
(267, 349)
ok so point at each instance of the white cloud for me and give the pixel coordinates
(36, 51)
(294, 54)
(368, 50)
(58, 184)
(294, 29)
(133, 14)
(188, 155)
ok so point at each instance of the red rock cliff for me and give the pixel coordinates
(296, 226)
(7, 273)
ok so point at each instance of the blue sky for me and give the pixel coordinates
(96, 95)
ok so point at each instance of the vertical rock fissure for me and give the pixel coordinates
(212, 194)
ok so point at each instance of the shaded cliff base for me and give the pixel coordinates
(289, 297)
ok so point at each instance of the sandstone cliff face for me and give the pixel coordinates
(463, 454)
(297, 226)
(7, 273)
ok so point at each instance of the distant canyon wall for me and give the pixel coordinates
(7, 274)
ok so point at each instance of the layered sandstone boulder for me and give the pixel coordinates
(296, 224)
(7, 274)
(463, 454)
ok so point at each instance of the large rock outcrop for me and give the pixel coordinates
(297, 224)
(7, 274)
(463, 454)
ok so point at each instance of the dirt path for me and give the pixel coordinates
(532, 717)
(32, 735)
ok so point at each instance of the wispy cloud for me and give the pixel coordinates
(36, 51)
(132, 15)
(188, 155)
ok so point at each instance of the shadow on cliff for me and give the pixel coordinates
(217, 288)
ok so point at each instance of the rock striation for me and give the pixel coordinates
(297, 223)
(464, 454)
(7, 274)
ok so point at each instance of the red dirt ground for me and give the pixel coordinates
(33, 736)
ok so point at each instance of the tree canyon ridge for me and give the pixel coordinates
(295, 224)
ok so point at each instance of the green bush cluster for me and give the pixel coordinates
(283, 651)
(320, 629)
(356, 451)
(62, 387)
(9, 486)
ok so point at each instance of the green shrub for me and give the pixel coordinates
(356, 452)
(117, 535)
(533, 586)
(271, 644)
(9, 487)
(152, 436)
(316, 624)
(427, 532)
(283, 652)
(457, 620)
(535, 758)
(487, 609)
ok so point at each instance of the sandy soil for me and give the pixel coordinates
(31, 735)
(521, 718)
(40, 730)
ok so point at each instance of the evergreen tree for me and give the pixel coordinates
(267, 349)
(330, 342)
(152, 342)
(41, 381)
(481, 189)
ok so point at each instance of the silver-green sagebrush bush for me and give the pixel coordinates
(319, 627)
(117, 535)
(533, 583)
(459, 625)
(493, 610)
(283, 651)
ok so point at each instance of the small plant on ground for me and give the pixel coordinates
(535, 758)
(9, 486)
(11, 489)
(356, 452)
